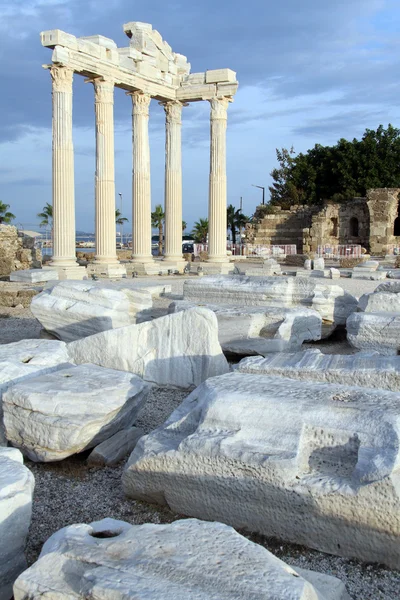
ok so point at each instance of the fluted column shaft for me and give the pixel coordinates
(173, 181)
(105, 179)
(141, 192)
(64, 254)
(217, 223)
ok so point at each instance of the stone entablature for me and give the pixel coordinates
(146, 69)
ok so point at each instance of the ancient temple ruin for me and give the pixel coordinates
(372, 222)
(146, 69)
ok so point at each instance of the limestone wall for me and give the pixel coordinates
(282, 227)
(17, 251)
(383, 206)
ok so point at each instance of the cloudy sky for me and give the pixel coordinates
(309, 72)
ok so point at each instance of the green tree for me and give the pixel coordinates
(236, 220)
(184, 225)
(46, 215)
(340, 172)
(200, 231)
(119, 219)
(157, 221)
(5, 215)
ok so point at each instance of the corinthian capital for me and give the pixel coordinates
(62, 78)
(173, 111)
(103, 90)
(140, 103)
(219, 107)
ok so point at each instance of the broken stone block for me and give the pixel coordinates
(302, 461)
(366, 369)
(179, 350)
(334, 273)
(75, 309)
(318, 264)
(181, 560)
(257, 330)
(111, 451)
(34, 275)
(330, 301)
(52, 416)
(374, 331)
(386, 299)
(220, 75)
(16, 490)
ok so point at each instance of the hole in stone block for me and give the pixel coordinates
(27, 360)
(102, 535)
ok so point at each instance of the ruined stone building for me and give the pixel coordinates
(373, 222)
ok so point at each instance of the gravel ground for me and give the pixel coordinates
(71, 492)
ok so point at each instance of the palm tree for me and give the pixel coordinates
(157, 221)
(46, 216)
(200, 231)
(235, 219)
(119, 219)
(184, 225)
(5, 215)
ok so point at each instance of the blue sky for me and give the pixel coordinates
(309, 72)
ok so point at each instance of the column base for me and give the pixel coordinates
(114, 270)
(213, 268)
(156, 267)
(218, 259)
(174, 264)
(68, 272)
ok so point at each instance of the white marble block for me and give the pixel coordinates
(251, 329)
(374, 331)
(16, 490)
(179, 350)
(330, 301)
(183, 560)
(75, 309)
(28, 358)
(366, 369)
(115, 448)
(34, 275)
(53, 416)
(306, 462)
(220, 75)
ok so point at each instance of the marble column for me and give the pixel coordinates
(64, 243)
(217, 223)
(173, 181)
(104, 181)
(141, 193)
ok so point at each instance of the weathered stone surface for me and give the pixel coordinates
(179, 350)
(111, 451)
(313, 461)
(386, 299)
(25, 359)
(251, 329)
(374, 331)
(182, 560)
(14, 294)
(330, 301)
(58, 414)
(366, 369)
(34, 275)
(16, 490)
(16, 251)
(318, 264)
(75, 309)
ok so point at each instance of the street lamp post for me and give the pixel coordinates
(261, 188)
(122, 226)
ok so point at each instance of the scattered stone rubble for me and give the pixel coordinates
(330, 301)
(16, 490)
(376, 325)
(179, 350)
(17, 251)
(257, 330)
(366, 369)
(52, 416)
(181, 560)
(302, 461)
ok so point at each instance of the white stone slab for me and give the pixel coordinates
(386, 298)
(56, 415)
(56, 37)
(302, 461)
(101, 40)
(28, 358)
(179, 350)
(34, 275)
(220, 75)
(257, 330)
(375, 331)
(330, 301)
(16, 489)
(182, 560)
(73, 309)
(113, 450)
(366, 369)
